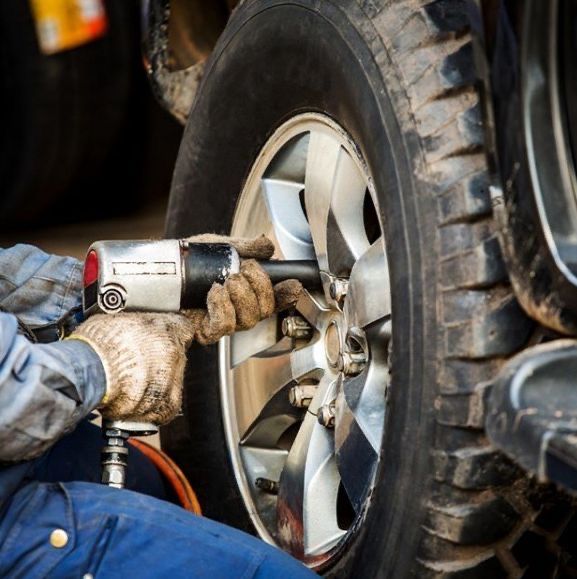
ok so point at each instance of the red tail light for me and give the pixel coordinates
(90, 269)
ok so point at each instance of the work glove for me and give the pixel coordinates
(245, 298)
(143, 356)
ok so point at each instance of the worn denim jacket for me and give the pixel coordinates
(45, 389)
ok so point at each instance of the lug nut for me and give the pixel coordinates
(353, 363)
(355, 356)
(326, 415)
(301, 396)
(267, 485)
(338, 289)
(296, 327)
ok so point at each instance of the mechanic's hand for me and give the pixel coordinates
(247, 297)
(144, 357)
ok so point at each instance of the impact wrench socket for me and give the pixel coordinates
(162, 276)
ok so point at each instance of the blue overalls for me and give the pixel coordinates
(52, 522)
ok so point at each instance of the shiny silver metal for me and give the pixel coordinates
(296, 327)
(301, 396)
(308, 190)
(157, 275)
(132, 275)
(114, 455)
(353, 363)
(338, 289)
(326, 415)
(355, 353)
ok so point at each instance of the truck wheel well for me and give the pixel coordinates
(193, 29)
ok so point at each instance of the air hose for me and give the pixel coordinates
(172, 473)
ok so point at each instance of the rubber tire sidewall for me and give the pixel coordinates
(276, 59)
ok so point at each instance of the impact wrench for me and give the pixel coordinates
(162, 276)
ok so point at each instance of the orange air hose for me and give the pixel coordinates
(170, 470)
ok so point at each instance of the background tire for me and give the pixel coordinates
(400, 78)
(76, 124)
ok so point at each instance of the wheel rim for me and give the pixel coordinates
(304, 393)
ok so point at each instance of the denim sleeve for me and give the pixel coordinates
(45, 390)
(37, 287)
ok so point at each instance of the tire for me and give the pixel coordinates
(399, 76)
(64, 115)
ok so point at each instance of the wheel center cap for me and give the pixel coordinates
(333, 344)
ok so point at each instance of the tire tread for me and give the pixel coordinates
(432, 47)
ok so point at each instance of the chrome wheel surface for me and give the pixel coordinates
(304, 393)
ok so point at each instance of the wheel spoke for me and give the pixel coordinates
(306, 514)
(356, 458)
(359, 424)
(347, 238)
(268, 378)
(286, 214)
(368, 297)
(308, 361)
(322, 163)
(273, 420)
(244, 345)
(311, 307)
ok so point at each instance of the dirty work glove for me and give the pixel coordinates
(247, 297)
(143, 357)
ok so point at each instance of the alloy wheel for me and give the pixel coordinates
(304, 393)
